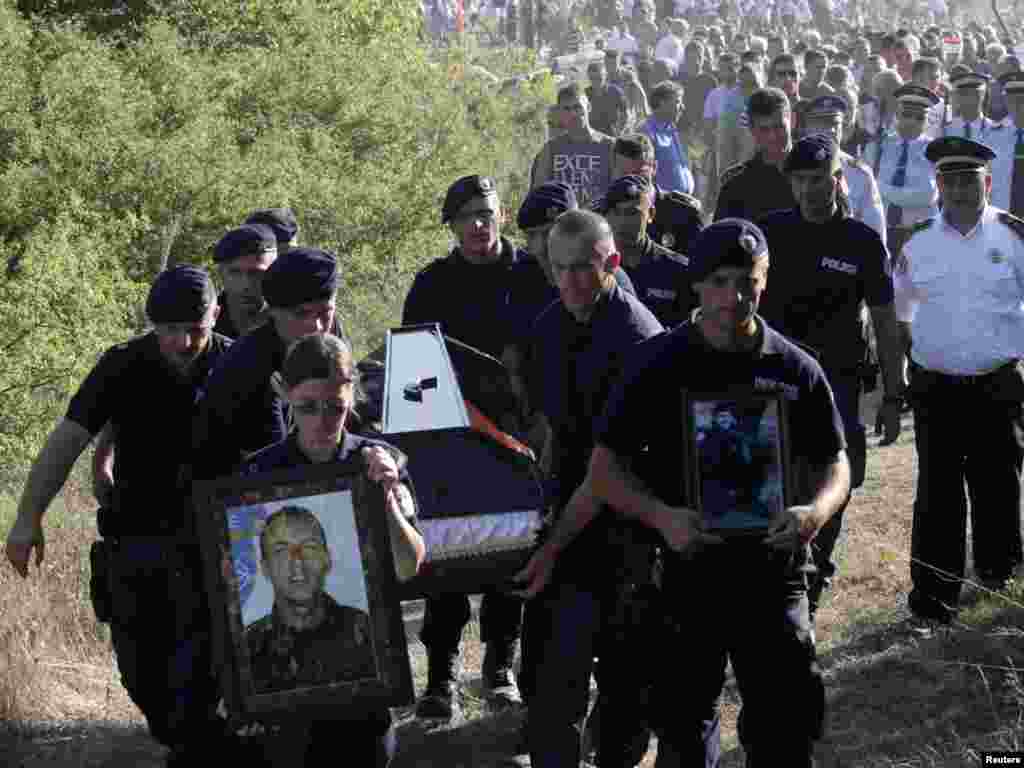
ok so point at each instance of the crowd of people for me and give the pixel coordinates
(795, 205)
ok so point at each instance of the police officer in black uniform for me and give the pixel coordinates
(242, 256)
(659, 274)
(536, 217)
(244, 410)
(159, 620)
(748, 591)
(815, 298)
(758, 186)
(580, 344)
(677, 216)
(485, 293)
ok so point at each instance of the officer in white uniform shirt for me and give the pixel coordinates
(960, 286)
(827, 114)
(1008, 167)
(906, 178)
(968, 96)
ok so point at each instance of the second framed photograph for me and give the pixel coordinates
(303, 593)
(737, 472)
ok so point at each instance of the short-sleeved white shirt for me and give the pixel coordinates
(964, 296)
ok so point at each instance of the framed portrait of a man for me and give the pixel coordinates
(302, 588)
(737, 468)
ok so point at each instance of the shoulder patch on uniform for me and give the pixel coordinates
(1017, 225)
(731, 173)
(688, 200)
(921, 226)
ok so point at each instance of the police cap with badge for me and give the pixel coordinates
(953, 154)
(546, 203)
(464, 190)
(963, 80)
(912, 95)
(827, 107)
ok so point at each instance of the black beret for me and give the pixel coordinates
(545, 203)
(281, 220)
(726, 243)
(812, 153)
(245, 240)
(464, 190)
(182, 294)
(626, 189)
(950, 154)
(299, 276)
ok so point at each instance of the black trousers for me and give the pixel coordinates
(566, 626)
(160, 630)
(744, 603)
(445, 616)
(967, 430)
(847, 389)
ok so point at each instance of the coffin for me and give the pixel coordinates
(479, 491)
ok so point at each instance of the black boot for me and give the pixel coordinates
(439, 700)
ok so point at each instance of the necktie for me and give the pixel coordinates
(1017, 180)
(894, 214)
(967, 130)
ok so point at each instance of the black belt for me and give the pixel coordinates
(966, 379)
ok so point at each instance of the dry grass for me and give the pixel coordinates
(55, 661)
(900, 694)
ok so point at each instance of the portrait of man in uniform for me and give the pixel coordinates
(317, 631)
(739, 462)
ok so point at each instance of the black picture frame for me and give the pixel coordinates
(737, 469)
(232, 513)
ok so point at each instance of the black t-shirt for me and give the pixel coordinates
(818, 277)
(643, 423)
(570, 371)
(243, 410)
(151, 407)
(487, 306)
(752, 190)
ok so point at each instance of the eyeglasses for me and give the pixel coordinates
(181, 329)
(789, 73)
(332, 408)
